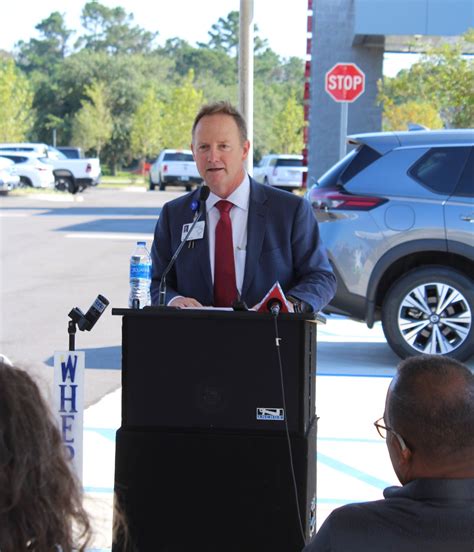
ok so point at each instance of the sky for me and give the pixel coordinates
(285, 29)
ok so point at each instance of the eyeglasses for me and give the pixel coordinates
(382, 431)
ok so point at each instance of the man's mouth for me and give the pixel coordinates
(215, 169)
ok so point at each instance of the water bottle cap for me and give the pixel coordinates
(141, 242)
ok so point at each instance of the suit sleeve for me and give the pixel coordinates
(161, 253)
(315, 280)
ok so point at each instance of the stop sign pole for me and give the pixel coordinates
(344, 82)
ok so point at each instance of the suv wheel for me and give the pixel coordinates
(429, 310)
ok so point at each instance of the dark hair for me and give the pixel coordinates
(431, 404)
(40, 498)
(224, 108)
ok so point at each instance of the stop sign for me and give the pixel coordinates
(345, 82)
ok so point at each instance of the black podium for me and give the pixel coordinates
(202, 455)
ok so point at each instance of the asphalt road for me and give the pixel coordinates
(60, 251)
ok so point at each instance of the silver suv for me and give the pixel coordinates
(397, 217)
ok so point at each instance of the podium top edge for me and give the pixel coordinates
(209, 313)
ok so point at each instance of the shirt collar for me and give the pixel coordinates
(240, 197)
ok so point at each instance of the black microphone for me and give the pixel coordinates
(87, 321)
(203, 195)
(274, 306)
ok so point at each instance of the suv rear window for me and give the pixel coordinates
(440, 168)
(289, 163)
(178, 157)
(365, 156)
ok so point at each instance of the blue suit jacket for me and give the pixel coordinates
(283, 245)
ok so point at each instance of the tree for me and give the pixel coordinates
(112, 30)
(93, 126)
(224, 36)
(52, 47)
(179, 113)
(442, 78)
(16, 99)
(398, 117)
(146, 136)
(287, 135)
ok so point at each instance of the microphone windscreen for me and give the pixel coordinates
(204, 192)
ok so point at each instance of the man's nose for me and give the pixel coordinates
(213, 154)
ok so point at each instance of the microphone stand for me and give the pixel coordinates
(204, 194)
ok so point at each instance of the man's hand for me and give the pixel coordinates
(183, 302)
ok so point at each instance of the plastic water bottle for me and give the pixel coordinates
(140, 277)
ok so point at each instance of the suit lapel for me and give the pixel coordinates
(255, 232)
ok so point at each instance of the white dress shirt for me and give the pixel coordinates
(239, 215)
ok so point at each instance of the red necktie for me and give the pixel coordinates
(225, 289)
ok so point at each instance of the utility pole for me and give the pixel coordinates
(246, 72)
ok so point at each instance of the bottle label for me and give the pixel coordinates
(142, 271)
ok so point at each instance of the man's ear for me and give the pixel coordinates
(246, 148)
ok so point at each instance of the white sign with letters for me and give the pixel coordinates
(69, 369)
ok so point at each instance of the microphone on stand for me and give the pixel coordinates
(274, 306)
(203, 195)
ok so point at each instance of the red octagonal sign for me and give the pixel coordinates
(345, 82)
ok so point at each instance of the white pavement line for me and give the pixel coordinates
(109, 236)
(16, 215)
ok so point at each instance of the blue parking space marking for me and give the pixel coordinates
(103, 490)
(352, 472)
(104, 432)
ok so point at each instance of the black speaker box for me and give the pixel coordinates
(190, 369)
(215, 491)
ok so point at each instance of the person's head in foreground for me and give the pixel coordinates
(40, 499)
(429, 416)
(428, 425)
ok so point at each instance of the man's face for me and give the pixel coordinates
(219, 153)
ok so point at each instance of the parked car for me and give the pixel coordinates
(397, 217)
(9, 178)
(70, 174)
(33, 170)
(281, 171)
(71, 152)
(176, 168)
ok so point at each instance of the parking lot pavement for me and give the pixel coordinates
(353, 463)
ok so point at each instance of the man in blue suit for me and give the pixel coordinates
(252, 236)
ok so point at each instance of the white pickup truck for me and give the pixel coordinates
(73, 175)
(175, 168)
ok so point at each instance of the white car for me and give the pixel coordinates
(282, 171)
(32, 170)
(9, 178)
(71, 174)
(176, 168)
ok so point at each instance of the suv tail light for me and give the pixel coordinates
(88, 168)
(165, 168)
(274, 171)
(331, 199)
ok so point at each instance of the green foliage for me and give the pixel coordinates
(93, 125)
(224, 36)
(121, 60)
(398, 117)
(287, 132)
(16, 97)
(110, 30)
(443, 78)
(147, 132)
(180, 112)
(43, 53)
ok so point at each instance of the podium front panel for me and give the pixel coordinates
(217, 371)
(211, 492)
